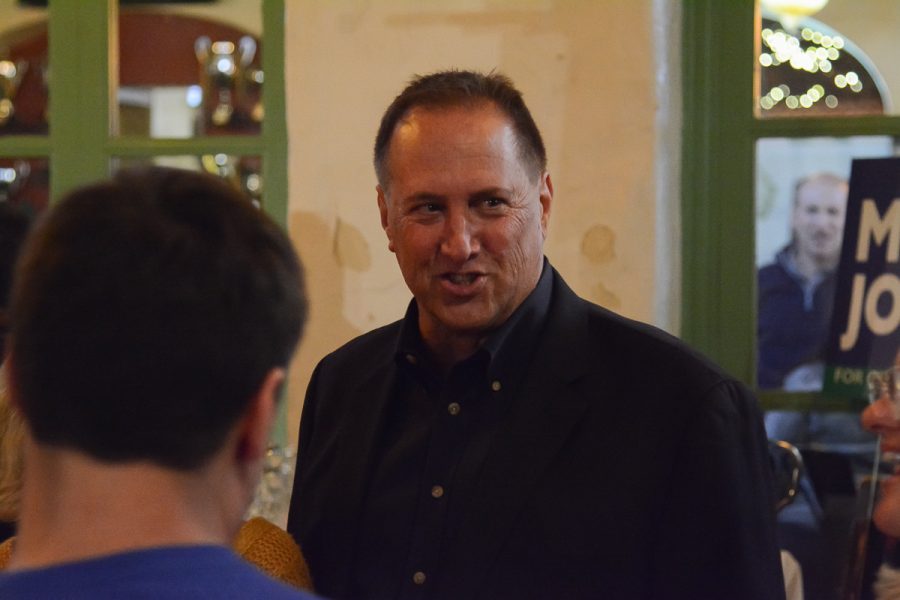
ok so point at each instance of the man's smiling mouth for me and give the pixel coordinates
(462, 278)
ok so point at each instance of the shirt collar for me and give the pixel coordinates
(508, 347)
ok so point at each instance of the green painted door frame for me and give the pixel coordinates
(719, 136)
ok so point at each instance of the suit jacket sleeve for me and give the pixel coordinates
(714, 541)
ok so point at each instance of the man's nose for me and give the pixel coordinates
(459, 241)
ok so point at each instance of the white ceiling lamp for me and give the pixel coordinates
(791, 11)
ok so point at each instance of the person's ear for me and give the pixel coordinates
(546, 198)
(385, 222)
(257, 422)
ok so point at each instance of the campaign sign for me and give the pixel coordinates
(864, 333)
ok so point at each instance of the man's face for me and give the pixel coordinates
(818, 220)
(465, 217)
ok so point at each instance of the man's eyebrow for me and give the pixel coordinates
(492, 191)
(434, 197)
(421, 197)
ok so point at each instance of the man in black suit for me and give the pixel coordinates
(507, 439)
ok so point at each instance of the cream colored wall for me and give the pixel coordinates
(872, 26)
(588, 71)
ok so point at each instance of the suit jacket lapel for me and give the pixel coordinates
(354, 462)
(540, 421)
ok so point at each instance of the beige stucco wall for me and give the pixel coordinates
(588, 71)
(860, 21)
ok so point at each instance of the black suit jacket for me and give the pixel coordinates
(628, 467)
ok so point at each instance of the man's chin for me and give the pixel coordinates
(887, 514)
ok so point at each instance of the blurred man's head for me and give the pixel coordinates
(146, 314)
(817, 220)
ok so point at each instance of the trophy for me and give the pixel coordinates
(244, 173)
(11, 74)
(230, 84)
(12, 178)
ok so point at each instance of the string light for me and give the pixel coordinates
(809, 51)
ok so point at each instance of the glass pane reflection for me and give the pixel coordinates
(243, 172)
(186, 72)
(840, 63)
(800, 196)
(25, 182)
(24, 72)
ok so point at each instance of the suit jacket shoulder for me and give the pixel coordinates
(591, 341)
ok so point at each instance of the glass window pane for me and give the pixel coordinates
(801, 194)
(23, 69)
(836, 61)
(190, 71)
(243, 172)
(25, 182)
(801, 187)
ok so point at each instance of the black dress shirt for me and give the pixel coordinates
(439, 431)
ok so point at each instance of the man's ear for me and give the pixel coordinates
(257, 422)
(385, 222)
(546, 199)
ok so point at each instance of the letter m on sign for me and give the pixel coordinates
(864, 333)
(872, 227)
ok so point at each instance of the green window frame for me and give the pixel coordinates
(718, 232)
(79, 144)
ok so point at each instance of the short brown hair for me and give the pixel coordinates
(146, 312)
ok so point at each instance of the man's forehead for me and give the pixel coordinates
(822, 192)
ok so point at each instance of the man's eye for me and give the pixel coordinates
(493, 202)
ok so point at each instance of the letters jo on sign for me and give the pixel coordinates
(865, 326)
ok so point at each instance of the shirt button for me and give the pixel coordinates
(411, 359)
(453, 408)
(495, 385)
(418, 578)
(437, 491)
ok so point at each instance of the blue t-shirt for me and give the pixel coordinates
(173, 572)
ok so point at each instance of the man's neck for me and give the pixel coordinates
(810, 266)
(75, 508)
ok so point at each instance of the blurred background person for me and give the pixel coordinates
(796, 292)
(796, 298)
(146, 359)
(882, 417)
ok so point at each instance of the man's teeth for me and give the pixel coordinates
(462, 278)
